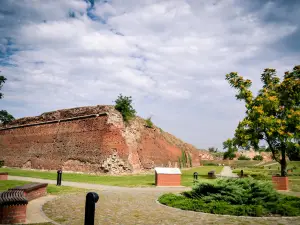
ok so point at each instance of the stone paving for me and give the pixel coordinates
(227, 172)
(134, 206)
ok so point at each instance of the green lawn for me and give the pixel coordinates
(51, 188)
(187, 175)
(125, 180)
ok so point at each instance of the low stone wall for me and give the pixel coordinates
(168, 179)
(40, 192)
(13, 207)
(12, 214)
(3, 176)
(281, 183)
(33, 190)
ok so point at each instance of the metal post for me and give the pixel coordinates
(195, 176)
(91, 199)
(242, 173)
(59, 176)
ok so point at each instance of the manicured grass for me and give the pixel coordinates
(51, 188)
(294, 184)
(125, 180)
(187, 175)
(7, 184)
(232, 163)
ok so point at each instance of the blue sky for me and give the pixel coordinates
(171, 56)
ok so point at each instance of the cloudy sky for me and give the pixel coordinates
(171, 56)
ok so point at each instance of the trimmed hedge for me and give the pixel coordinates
(255, 174)
(239, 197)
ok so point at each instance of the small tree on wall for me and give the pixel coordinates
(273, 115)
(124, 106)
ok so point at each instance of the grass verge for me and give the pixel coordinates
(125, 180)
(51, 188)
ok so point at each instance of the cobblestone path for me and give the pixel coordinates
(137, 206)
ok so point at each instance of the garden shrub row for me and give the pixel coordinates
(239, 197)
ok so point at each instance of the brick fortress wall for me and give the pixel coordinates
(89, 144)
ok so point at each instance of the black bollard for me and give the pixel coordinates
(195, 176)
(242, 173)
(59, 176)
(91, 199)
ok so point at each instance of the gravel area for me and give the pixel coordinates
(139, 206)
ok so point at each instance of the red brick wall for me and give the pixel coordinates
(36, 193)
(84, 142)
(168, 179)
(280, 183)
(13, 214)
(3, 176)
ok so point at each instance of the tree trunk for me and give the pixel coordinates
(283, 164)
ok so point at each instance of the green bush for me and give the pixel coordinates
(1, 163)
(240, 197)
(229, 155)
(209, 164)
(124, 106)
(257, 175)
(149, 122)
(243, 157)
(258, 157)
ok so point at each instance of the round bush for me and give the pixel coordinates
(240, 197)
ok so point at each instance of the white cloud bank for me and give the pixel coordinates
(171, 56)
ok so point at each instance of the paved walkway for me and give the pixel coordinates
(34, 213)
(227, 172)
(127, 206)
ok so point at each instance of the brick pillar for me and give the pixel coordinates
(281, 183)
(3, 176)
(12, 214)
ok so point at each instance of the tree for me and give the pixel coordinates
(212, 149)
(5, 117)
(231, 149)
(273, 115)
(124, 106)
(2, 81)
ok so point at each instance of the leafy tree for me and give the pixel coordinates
(5, 117)
(124, 106)
(212, 149)
(231, 149)
(258, 157)
(2, 81)
(243, 157)
(273, 115)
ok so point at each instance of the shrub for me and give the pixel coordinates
(209, 164)
(240, 197)
(255, 174)
(149, 123)
(258, 157)
(190, 160)
(124, 106)
(229, 155)
(243, 157)
(1, 163)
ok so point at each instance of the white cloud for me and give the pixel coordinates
(171, 56)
